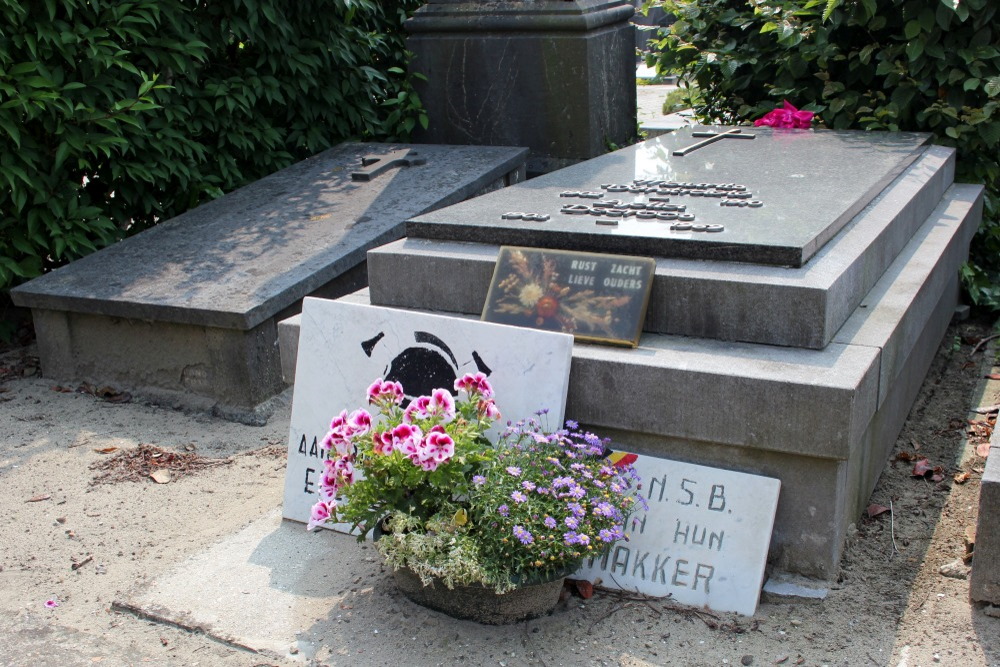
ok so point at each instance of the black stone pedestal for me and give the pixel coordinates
(554, 75)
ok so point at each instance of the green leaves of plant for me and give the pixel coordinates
(115, 115)
(914, 65)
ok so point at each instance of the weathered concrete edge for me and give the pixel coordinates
(903, 302)
(984, 582)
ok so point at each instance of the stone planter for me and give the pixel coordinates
(479, 603)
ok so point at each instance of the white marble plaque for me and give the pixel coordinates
(703, 541)
(344, 347)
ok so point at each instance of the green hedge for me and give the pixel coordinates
(115, 114)
(917, 65)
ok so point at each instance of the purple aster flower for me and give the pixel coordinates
(572, 522)
(503, 510)
(518, 497)
(576, 509)
(528, 486)
(560, 482)
(514, 470)
(523, 535)
(550, 522)
(604, 509)
(571, 537)
(570, 424)
(478, 480)
(606, 535)
(577, 492)
(577, 466)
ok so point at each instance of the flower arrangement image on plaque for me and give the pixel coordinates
(596, 297)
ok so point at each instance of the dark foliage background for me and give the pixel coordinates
(115, 114)
(913, 65)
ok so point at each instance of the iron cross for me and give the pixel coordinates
(373, 165)
(735, 133)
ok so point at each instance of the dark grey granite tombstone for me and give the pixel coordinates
(557, 76)
(805, 201)
(799, 361)
(777, 201)
(189, 307)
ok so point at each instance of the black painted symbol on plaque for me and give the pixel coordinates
(373, 165)
(712, 137)
(424, 367)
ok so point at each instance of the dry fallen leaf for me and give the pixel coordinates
(40, 497)
(992, 376)
(983, 450)
(106, 450)
(161, 476)
(874, 510)
(581, 588)
(961, 478)
(923, 468)
(906, 456)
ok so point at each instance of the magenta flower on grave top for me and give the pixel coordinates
(786, 116)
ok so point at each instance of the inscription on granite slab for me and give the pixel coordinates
(799, 188)
(597, 298)
(703, 541)
(343, 347)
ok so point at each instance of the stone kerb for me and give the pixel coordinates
(984, 584)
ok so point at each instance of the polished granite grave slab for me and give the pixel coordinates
(734, 301)
(186, 312)
(820, 420)
(239, 259)
(768, 199)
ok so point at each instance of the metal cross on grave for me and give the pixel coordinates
(373, 165)
(735, 133)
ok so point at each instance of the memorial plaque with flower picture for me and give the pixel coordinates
(598, 298)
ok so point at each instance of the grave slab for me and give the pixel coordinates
(776, 197)
(821, 421)
(798, 307)
(343, 347)
(188, 309)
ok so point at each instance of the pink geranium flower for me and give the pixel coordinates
(438, 446)
(474, 383)
(382, 443)
(786, 116)
(359, 422)
(385, 393)
(442, 404)
(406, 438)
(320, 513)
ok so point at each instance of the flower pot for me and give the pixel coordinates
(480, 603)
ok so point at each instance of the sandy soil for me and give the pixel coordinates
(69, 539)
